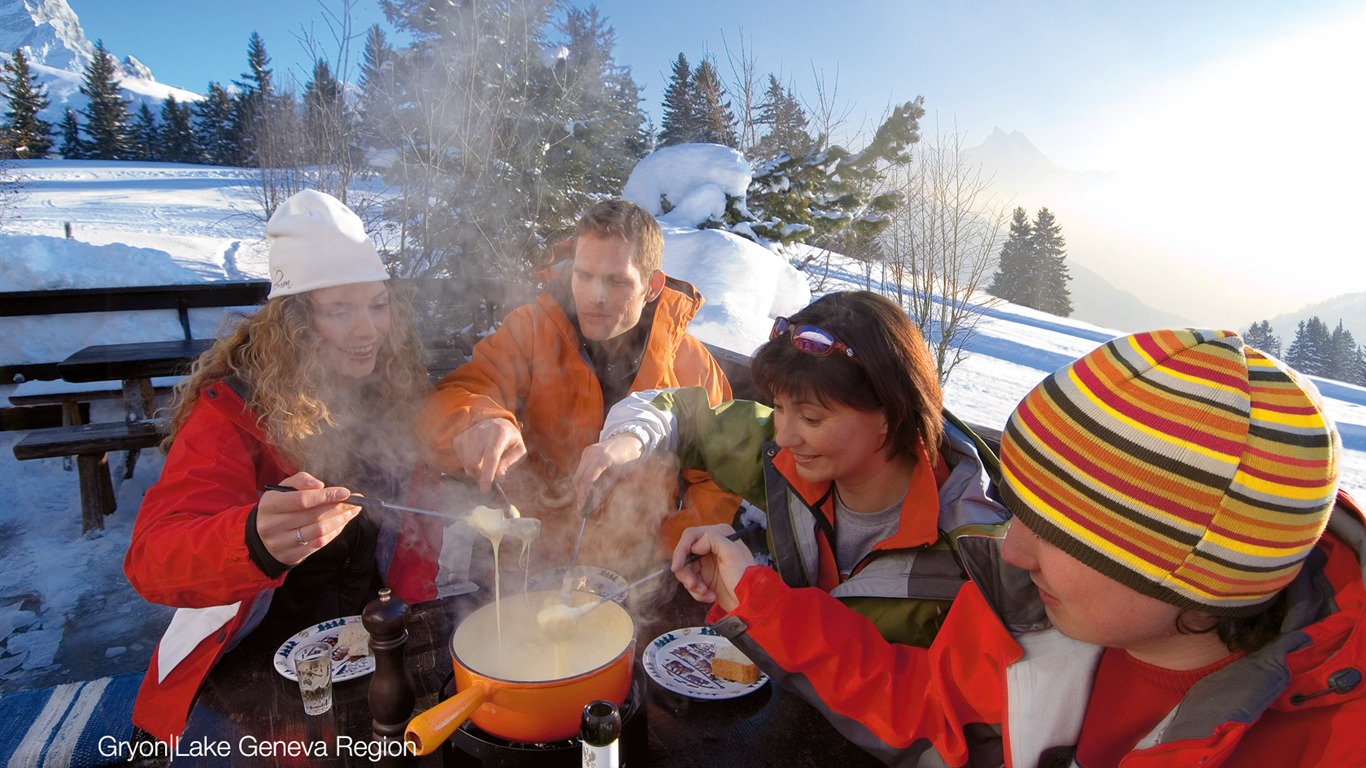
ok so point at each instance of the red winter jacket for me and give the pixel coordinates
(1000, 686)
(188, 550)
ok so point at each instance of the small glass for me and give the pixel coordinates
(313, 666)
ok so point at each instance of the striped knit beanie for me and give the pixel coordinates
(1183, 464)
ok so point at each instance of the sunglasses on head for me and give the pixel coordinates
(811, 340)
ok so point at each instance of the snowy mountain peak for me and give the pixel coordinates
(1013, 152)
(134, 68)
(48, 30)
(59, 53)
(1014, 141)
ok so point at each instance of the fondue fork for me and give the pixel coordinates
(559, 620)
(502, 494)
(574, 559)
(692, 558)
(371, 504)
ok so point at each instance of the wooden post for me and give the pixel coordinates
(97, 492)
(71, 416)
(139, 403)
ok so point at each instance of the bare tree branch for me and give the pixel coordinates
(745, 86)
(941, 246)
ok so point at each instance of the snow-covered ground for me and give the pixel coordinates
(66, 612)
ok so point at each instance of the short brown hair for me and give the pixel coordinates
(630, 222)
(892, 371)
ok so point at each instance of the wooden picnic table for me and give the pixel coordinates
(142, 360)
(135, 365)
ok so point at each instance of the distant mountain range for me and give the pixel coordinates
(1350, 308)
(59, 52)
(1102, 256)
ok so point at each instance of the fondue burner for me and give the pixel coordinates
(471, 747)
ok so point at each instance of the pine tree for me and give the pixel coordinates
(787, 125)
(375, 105)
(1357, 373)
(1342, 354)
(1260, 336)
(1310, 351)
(260, 77)
(213, 116)
(603, 134)
(329, 125)
(484, 137)
(1048, 274)
(177, 140)
(377, 59)
(1010, 282)
(106, 116)
(73, 146)
(27, 135)
(830, 197)
(680, 120)
(145, 142)
(253, 107)
(716, 121)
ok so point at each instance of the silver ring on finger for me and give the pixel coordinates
(299, 538)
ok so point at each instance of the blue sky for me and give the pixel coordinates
(1237, 125)
(1047, 69)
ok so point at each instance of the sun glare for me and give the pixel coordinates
(1255, 161)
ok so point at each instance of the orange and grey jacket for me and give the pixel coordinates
(532, 372)
(905, 583)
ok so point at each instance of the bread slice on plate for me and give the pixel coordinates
(730, 664)
(353, 642)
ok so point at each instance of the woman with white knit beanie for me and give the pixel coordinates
(315, 391)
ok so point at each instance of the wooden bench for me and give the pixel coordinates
(90, 443)
(70, 396)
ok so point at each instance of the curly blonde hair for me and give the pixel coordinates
(276, 353)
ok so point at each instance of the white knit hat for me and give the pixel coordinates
(316, 242)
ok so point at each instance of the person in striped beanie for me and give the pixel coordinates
(1182, 584)
(1182, 464)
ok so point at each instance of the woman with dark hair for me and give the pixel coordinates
(1181, 584)
(322, 382)
(864, 485)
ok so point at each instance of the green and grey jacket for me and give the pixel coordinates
(905, 584)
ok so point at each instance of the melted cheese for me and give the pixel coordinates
(532, 655)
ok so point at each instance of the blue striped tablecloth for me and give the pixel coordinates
(76, 724)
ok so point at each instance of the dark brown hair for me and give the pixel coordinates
(894, 372)
(1238, 633)
(630, 222)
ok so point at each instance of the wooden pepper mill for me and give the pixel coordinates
(391, 687)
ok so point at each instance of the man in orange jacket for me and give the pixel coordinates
(536, 391)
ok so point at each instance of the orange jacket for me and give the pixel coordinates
(531, 371)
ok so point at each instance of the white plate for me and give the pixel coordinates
(681, 662)
(587, 578)
(347, 663)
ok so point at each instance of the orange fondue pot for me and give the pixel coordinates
(517, 683)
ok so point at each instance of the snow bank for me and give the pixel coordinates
(692, 179)
(745, 285)
(37, 262)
